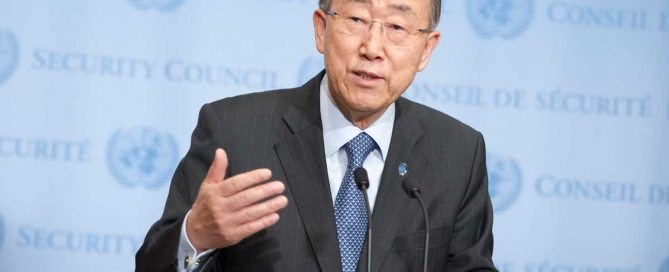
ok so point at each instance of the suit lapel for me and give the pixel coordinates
(391, 201)
(303, 159)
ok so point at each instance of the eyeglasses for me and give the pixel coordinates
(395, 33)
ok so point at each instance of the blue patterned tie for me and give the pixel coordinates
(350, 207)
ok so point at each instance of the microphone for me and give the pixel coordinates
(412, 189)
(362, 181)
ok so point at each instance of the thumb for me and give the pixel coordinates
(218, 167)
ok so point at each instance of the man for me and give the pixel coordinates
(267, 182)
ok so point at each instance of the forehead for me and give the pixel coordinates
(418, 8)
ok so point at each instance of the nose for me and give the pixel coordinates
(371, 47)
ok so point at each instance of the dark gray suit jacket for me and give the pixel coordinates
(281, 130)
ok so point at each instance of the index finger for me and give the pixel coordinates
(243, 181)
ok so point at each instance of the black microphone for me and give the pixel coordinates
(361, 179)
(412, 189)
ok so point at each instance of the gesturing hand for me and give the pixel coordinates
(228, 210)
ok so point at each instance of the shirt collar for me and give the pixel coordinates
(337, 130)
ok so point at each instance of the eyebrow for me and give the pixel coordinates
(403, 8)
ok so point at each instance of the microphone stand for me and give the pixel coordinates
(362, 180)
(369, 231)
(416, 193)
(412, 189)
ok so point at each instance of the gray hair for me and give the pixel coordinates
(435, 11)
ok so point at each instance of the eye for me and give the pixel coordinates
(395, 28)
(357, 20)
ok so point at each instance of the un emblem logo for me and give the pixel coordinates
(141, 156)
(9, 54)
(504, 181)
(160, 5)
(503, 18)
(309, 68)
(665, 266)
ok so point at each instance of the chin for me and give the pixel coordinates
(366, 107)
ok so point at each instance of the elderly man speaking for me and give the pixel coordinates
(269, 185)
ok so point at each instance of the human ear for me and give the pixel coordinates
(432, 42)
(319, 30)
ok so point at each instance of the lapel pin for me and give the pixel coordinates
(403, 169)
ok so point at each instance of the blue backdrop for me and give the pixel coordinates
(98, 100)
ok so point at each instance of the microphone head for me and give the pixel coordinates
(410, 187)
(361, 179)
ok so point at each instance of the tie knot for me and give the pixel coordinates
(358, 148)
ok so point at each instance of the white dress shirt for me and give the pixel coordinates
(337, 131)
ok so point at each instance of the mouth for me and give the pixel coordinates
(366, 75)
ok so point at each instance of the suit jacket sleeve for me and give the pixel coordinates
(472, 244)
(159, 251)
